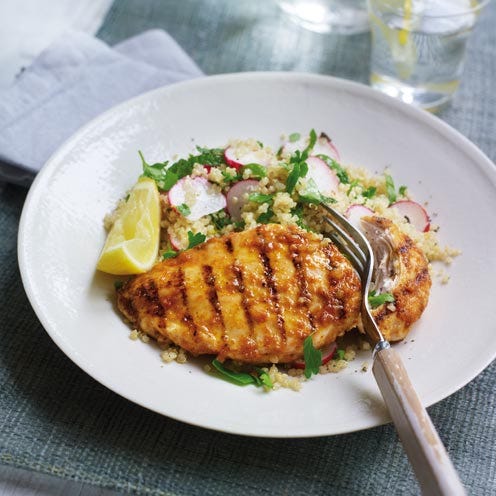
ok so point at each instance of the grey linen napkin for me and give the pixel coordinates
(72, 81)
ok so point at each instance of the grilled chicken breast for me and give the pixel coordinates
(402, 269)
(252, 296)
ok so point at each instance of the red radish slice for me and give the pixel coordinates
(236, 161)
(237, 197)
(325, 178)
(414, 213)
(175, 244)
(355, 212)
(208, 168)
(201, 197)
(323, 146)
(327, 354)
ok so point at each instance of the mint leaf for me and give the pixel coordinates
(337, 168)
(238, 378)
(257, 170)
(294, 137)
(260, 198)
(169, 254)
(390, 189)
(369, 192)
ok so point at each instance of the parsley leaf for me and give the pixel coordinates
(402, 190)
(257, 170)
(238, 378)
(266, 216)
(376, 300)
(339, 355)
(260, 198)
(390, 189)
(353, 184)
(337, 168)
(311, 144)
(300, 169)
(294, 137)
(369, 192)
(220, 220)
(312, 357)
(313, 195)
(264, 378)
(169, 254)
(195, 239)
(184, 210)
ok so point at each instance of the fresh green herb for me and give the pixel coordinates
(260, 144)
(195, 239)
(294, 137)
(126, 198)
(376, 300)
(238, 378)
(220, 220)
(260, 198)
(118, 284)
(169, 254)
(166, 175)
(390, 189)
(300, 169)
(264, 378)
(339, 355)
(337, 168)
(258, 377)
(312, 357)
(402, 190)
(266, 217)
(230, 178)
(298, 212)
(257, 170)
(184, 210)
(311, 143)
(370, 192)
(353, 185)
(313, 195)
(240, 225)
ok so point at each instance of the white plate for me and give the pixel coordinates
(61, 235)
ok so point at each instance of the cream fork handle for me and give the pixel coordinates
(428, 457)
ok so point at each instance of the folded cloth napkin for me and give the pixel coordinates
(72, 81)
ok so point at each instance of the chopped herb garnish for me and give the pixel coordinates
(339, 355)
(312, 357)
(169, 254)
(337, 168)
(376, 300)
(229, 178)
(402, 190)
(353, 185)
(118, 284)
(260, 144)
(266, 217)
(390, 189)
(313, 195)
(300, 169)
(260, 198)
(195, 239)
(238, 378)
(311, 143)
(370, 192)
(240, 225)
(220, 220)
(166, 175)
(258, 377)
(257, 170)
(184, 210)
(294, 137)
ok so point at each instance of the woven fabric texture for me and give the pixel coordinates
(57, 420)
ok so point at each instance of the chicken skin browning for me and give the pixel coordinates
(402, 269)
(252, 296)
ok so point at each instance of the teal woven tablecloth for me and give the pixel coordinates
(57, 420)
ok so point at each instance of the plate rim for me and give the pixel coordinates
(448, 132)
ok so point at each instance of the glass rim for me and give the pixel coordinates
(388, 4)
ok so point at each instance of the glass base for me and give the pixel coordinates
(432, 97)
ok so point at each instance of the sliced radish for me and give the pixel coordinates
(327, 354)
(355, 212)
(237, 160)
(323, 146)
(324, 177)
(237, 196)
(174, 242)
(414, 213)
(199, 195)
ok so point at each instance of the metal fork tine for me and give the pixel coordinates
(352, 244)
(358, 264)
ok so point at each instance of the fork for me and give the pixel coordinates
(425, 450)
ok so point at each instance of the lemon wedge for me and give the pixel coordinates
(133, 241)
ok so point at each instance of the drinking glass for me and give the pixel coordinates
(324, 16)
(418, 47)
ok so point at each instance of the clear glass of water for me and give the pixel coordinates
(324, 16)
(418, 47)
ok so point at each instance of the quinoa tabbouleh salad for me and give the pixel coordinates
(239, 194)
